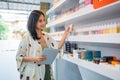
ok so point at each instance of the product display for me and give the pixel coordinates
(86, 54)
(96, 60)
(68, 47)
(109, 59)
(109, 28)
(94, 43)
(61, 16)
(79, 53)
(117, 62)
(96, 54)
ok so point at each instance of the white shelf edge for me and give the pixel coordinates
(100, 69)
(56, 6)
(84, 11)
(101, 38)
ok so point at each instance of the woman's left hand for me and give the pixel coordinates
(69, 29)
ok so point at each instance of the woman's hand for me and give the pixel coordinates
(69, 29)
(40, 58)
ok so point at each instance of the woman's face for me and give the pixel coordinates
(41, 23)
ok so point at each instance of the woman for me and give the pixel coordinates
(31, 47)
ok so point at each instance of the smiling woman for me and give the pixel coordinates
(33, 43)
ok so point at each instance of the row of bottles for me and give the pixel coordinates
(109, 28)
(81, 4)
(89, 55)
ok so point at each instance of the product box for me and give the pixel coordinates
(115, 62)
(101, 3)
(89, 55)
(109, 59)
(96, 54)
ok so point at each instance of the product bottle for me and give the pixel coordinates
(68, 47)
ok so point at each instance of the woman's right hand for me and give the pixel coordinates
(40, 58)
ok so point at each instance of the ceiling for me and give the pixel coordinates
(18, 9)
(23, 5)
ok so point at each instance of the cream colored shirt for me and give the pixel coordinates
(31, 48)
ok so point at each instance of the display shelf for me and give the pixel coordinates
(60, 3)
(100, 38)
(87, 14)
(103, 69)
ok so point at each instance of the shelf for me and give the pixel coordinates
(88, 14)
(103, 38)
(60, 3)
(100, 38)
(103, 69)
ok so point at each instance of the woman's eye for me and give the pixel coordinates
(40, 20)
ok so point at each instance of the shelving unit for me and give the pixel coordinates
(105, 70)
(82, 18)
(88, 13)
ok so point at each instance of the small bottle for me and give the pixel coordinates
(100, 30)
(94, 30)
(114, 27)
(107, 29)
(111, 28)
(68, 46)
(118, 27)
(90, 31)
(104, 29)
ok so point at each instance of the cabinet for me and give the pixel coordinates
(88, 23)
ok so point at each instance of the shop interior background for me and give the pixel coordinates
(13, 19)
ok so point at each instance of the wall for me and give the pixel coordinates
(8, 67)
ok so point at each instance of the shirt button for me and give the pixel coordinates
(39, 64)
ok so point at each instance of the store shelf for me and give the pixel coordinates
(60, 3)
(103, 38)
(103, 69)
(88, 14)
(100, 38)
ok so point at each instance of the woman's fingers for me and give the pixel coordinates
(44, 58)
(41, 58)
(69, 28)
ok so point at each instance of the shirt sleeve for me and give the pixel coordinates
(22, 49)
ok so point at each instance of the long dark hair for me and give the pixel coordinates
(32, 21)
